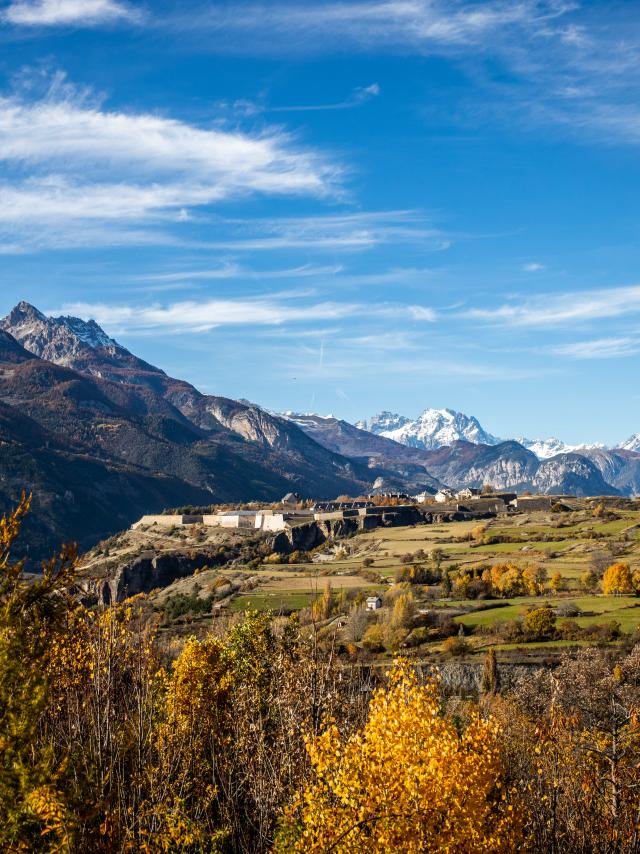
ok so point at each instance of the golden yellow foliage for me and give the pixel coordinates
(556, 582)
(617, 579)
(407, 782)
(33, 809)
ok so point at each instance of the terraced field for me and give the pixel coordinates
(561, 544)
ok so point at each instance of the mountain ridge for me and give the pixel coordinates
(101, 407)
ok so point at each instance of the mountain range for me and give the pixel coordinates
(100, 437)
(504, 464)
(438, 428)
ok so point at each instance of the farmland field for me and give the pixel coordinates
(561, 549)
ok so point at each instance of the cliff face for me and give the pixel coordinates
(145, 573)
(312, 534)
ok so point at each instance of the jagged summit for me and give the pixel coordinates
(385, 421)
(88, 332)
(57, 339)
(544, 449)
(74, 343)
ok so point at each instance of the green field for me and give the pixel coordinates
(624, 609)
(282, 600)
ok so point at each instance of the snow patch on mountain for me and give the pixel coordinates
(544, 449)
(382, 423)
(632, 443)
(88, 332)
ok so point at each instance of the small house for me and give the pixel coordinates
(443, 495)
(373, 603)
(291, 499)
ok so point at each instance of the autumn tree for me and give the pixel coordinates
(446, 583)
(589, 580)
(617, 580)
(357, 623)
(541, 622)
(34, 814)
(572, 742)
(323, 605)
(556, 582)
(437, 556)
(535, 578)
(403, 611)
(407, 782)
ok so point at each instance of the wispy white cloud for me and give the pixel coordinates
(77, 13)
(533, 267)
(359, 96)
(236, 271)
(563, 309)
(85, 164)
(202, 316)
(567, 64)
(599, 348)
(357, 231)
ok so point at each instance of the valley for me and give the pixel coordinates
(553, 562)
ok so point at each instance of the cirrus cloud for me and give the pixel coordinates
(202, 316)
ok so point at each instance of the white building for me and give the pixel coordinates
(469, 492)
(444, 495)
(373, 603)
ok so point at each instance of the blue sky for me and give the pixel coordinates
(338, 207)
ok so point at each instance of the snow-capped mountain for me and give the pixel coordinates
(434, 428)
(544, 449)
(438, 428)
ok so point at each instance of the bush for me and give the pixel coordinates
(456, 646)
(418, 636)
(374, 639)
(394, 638)
(540, 623)
(568, 609)
(181, 604)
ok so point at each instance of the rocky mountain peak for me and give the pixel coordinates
(54, 338)
(24, 311)
(88, 332)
